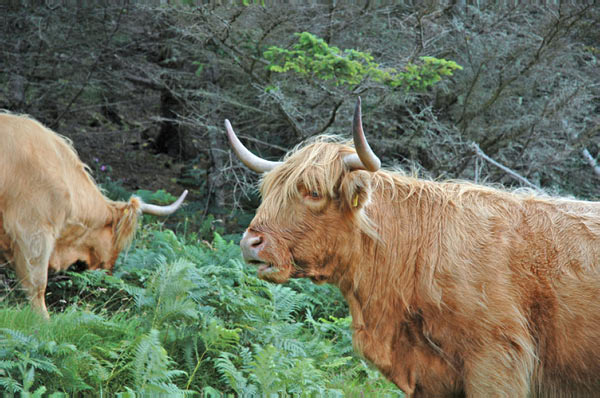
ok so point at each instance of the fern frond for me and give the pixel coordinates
(8, 365)
(16, 337)
(10, 385)
(219, 337)
(151, 367)
(286, 301)
(230, 375)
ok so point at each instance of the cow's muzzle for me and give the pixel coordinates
(252, 244)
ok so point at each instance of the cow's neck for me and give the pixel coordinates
(382, 288)
(386, 270)
(382, 278)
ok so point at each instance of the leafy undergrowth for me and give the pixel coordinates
(181, 317)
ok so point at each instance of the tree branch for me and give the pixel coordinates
(508, 171)
(591, 161)
(331, 117)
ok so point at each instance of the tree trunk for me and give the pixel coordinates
(170, 137)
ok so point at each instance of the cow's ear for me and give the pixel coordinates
(126, 222)
(355, 190)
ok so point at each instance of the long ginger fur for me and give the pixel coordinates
(52, 214)
(455, 289)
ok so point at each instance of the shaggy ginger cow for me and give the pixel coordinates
(51, 212)
(455, 289)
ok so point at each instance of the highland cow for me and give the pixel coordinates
(52, 214)
(455, 289)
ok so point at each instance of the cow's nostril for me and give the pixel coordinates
(256, 241)
(252, 244)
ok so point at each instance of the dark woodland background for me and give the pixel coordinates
(142, 89)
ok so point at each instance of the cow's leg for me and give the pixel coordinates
(31, 266)
(500, 370)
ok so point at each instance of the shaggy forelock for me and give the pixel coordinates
(318, 166)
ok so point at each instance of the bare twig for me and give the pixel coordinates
(508, 171)
(332, 117)
(587, 134)
(91, 71)
(264, 143)
(591, 161)
(148, 83)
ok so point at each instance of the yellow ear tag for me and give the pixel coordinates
(355, 200)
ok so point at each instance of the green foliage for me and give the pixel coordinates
(420, 77)
(199, 68)
(312, 57)
(250, 2)
(21, 356)
(182, 317)
(151, 364)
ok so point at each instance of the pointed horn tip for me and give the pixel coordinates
(163, 210)
(180, 199)
(251, 161)
(365, 157)
(231, 136)
(177, 204)
(357, 108)
(183, 195)
(228, 127)
(358, 111)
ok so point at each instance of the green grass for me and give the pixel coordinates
(181, 317)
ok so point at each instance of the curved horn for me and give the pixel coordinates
(251, 161)
(364, 157)
(163, 210)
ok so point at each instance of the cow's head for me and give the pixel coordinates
(99, 245)
(312, 214)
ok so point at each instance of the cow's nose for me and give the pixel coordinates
(252, 243)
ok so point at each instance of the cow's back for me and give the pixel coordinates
(535, 281)
(34, 175)
(43, 184)
(33, 157)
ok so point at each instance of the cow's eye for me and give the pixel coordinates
(312, 195)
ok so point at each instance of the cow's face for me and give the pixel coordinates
(106, 243)
(98, 246)
(312, 218)
(95, 248)
(309, 222)
(102, 250)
